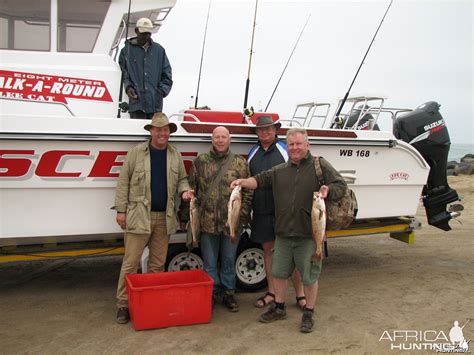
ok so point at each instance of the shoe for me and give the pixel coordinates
(272, 314)
(307, 322)
(298, 302)
(261, 301)
(123, 317)
(229, 301)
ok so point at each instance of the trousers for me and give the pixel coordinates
(157, 242)
(213, 247)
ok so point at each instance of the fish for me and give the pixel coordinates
(318, 224)
(233, 212)
(194, 221)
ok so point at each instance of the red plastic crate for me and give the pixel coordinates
(167, 299)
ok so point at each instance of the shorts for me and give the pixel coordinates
(291, 252)
(262, 228)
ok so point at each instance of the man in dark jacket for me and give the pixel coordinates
(267, 153)
(293, 184)
(146, 72)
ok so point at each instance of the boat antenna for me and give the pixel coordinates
(247, 84)
(361, 63)
(202, 55)
(124, 105)
(286, 65)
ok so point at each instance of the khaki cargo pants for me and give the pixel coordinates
(157, 242)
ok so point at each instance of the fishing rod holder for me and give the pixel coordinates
(123, 106)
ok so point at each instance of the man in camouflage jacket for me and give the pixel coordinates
(214, 238)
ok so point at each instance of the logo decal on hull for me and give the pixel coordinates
(50, 88)
(19, 165)
(399, 175)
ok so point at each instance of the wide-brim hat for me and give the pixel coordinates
(159, 120)
(265, 121)
(144, 25)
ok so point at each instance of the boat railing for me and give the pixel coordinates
(42, 102)
(306, 112)
(157, 16)
(394, 112)
(363, 113)
(183, 115)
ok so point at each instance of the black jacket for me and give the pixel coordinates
(259, 161)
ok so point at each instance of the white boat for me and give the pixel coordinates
(62, 144)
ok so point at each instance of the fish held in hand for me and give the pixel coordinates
(318, 223)
(194, 221)
(233, 212)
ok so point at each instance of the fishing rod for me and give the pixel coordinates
(288, 61)
(124, 105)
(247, 85)
(202, 55)
(361, 63)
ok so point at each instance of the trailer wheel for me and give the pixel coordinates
(250, 268)
(180, 259)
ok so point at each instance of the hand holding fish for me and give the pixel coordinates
(318, 222)
(194, 220)
(249, 183)
(324, 190)
(235, 183)
(233, 212)
(187, 195)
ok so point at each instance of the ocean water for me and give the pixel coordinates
(457, 151)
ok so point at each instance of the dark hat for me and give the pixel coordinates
(265, 121)
(160, 120)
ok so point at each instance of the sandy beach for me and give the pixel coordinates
(370, 286)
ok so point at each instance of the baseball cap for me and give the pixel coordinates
(144, 25)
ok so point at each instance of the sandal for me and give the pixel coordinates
(261, 302)
(298, 302)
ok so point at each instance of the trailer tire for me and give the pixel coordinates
(249, 266)
(180, 259)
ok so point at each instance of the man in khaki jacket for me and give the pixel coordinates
(151, 176)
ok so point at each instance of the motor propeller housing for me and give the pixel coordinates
(425, 129)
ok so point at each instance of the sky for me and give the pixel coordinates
(423, 52)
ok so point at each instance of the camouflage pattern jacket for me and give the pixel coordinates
(214, 211)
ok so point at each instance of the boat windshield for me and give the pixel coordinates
(25, 25)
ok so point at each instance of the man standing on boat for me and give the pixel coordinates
(210, 177)
(267, 153)
(293, 184)
(152, 175)
(146, 72)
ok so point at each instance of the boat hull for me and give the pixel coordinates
(59, 186)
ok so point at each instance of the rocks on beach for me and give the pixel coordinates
(465, 166)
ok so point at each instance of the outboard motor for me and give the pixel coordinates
(424, 128)
(364, 123)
